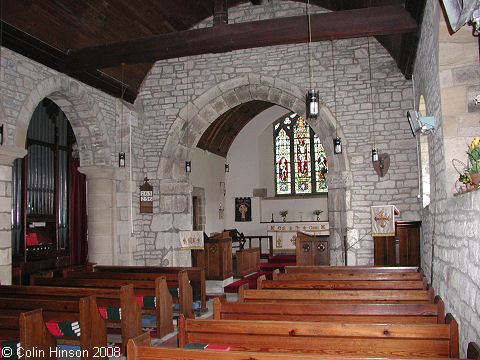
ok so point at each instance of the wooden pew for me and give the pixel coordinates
(349, 313)
(139, 348)
(29, 329)
(179, 280)
(331, 338)
(157, 288)
(196, 276)
(123, 297)
(352, 269)
(93, 334)
(343, 275)
(347, 284)
(335, 296)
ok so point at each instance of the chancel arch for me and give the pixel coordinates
(196, 117)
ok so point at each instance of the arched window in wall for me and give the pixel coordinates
(300, 160)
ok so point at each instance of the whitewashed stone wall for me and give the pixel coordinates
(451, 224)
(207, 82)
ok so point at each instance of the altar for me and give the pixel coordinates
(285, 234)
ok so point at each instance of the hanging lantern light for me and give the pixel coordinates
(337, 145)
(312, 103)
(374, 155)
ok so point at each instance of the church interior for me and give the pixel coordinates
(168, 160)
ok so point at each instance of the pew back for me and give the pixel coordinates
(367, 313)
(342, 275)
(196, 276)
(342, 284)
(332, 338)
(336, 296)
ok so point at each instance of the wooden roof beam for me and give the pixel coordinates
(382, 20)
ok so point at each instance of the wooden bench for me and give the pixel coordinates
(183, 296)
(369, 313)
(347, 284)
(352, 269)
(247, 261)
(93, 333)
(141, 288)
(343, 275)
(123, 297)
(139, 348)
(196, 275)
(29, 329)
(335, 296)
(331, 338)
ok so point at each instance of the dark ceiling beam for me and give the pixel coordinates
(383, 20)
(28, 46)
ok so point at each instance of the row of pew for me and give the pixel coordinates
(321, 313)
(80, 305)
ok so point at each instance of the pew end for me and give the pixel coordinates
(163, 308)
(241, 292)
(34, 335)
(131, 314)
(441, 309)
(93, 326)
(260, 279)
(185, 291)
(142, 339)
(275, 274)
(454, 347)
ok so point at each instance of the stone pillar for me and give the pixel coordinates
(7, 156)
(101, 203)
(339, 210)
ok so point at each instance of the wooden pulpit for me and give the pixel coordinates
(402, 249)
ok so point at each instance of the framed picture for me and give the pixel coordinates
(243, 209)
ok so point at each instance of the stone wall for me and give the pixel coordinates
(451, 224)
(212, 84)
(97, 122)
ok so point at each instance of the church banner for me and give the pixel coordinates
(243, 209)
(383, 220)
(191, 240)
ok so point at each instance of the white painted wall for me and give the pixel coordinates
(251, 167)
(208, 171)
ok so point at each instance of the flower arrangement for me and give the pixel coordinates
(317, 212)
(473, 153)
(283, 214)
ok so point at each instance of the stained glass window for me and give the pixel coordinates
(300, 160)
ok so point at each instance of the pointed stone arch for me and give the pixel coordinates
(81, 110)
(201, 111)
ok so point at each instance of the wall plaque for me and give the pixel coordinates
(146, 197)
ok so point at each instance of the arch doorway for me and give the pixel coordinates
(48, 198)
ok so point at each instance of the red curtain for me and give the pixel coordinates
(78, 215)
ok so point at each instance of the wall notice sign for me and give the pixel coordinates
(146, 197)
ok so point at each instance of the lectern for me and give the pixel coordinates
(216, 258)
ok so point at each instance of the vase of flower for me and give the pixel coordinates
(317, 213)
(473, 153)
(283, 214)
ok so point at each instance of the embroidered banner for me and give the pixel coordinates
(383, 220)
(243, 209)
(191, 240)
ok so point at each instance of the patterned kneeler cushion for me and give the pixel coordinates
(146, 301)
(63, 328)
(110, 313)
(9, 347)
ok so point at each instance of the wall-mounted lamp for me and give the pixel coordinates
(121, 159)
(337, 145)
(188, 166)
(227, 168)
(1, 134)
